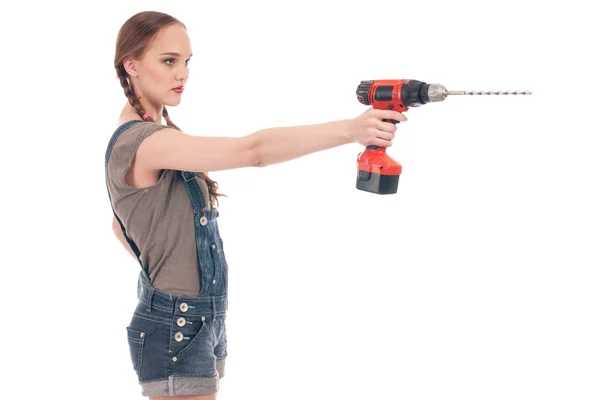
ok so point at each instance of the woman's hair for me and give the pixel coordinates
(133, 40)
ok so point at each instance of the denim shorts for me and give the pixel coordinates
(178, 345)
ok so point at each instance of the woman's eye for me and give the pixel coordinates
(169, 60)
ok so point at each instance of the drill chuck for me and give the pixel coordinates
(436, 92)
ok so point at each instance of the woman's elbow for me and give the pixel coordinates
(116, 227)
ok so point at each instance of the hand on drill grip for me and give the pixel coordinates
(369, 128)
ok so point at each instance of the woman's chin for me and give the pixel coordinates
(172, 102)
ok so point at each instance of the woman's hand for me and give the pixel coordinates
(370, 129)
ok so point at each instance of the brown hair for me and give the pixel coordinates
(133, 39)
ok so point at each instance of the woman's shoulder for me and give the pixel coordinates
(124, 144)
(130, 131)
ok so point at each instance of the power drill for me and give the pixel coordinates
(378, 172)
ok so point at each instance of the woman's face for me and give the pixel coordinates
(163, 69)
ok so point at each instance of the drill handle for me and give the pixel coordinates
(373, 147)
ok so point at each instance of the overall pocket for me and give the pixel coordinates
(135, 339)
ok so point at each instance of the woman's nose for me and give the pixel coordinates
(182, 75)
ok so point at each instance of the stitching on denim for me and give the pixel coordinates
(152, 319)
(156, 306)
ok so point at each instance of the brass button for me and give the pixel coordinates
(179, 336)
(142, 334)
(183, 307)
(181, 321)
(214, 281)
(174, 359)
(203, 221)
(214, 246)
(203, 318)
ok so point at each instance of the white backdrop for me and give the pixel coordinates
(477, 280)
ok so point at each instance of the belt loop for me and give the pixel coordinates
(150, 300)
(214, 308)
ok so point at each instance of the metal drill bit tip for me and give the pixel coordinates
(489, 92)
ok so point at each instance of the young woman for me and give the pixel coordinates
(165, 205)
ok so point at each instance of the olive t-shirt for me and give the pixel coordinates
(159, 219)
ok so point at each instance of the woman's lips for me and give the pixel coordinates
(178, 89)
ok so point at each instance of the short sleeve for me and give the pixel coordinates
(124, 151)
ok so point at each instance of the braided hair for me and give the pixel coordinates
(135, 36)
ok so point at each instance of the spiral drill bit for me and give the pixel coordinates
(437, 92)
(489, 92)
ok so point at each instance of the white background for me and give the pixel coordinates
(478, 280)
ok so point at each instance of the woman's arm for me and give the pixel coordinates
(172, 149)
(278, 145)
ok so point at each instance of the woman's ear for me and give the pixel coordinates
(130, 66)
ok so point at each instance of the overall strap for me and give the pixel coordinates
(109, 149)
(195, 194)
(206, 229)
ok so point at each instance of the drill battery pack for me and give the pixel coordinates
(377, 172)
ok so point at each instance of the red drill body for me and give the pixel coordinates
(377, 171)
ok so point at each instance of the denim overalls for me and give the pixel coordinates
(178, 344)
